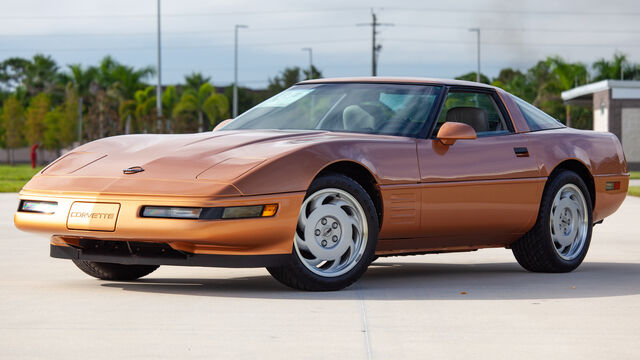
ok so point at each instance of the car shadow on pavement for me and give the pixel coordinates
(407, 281)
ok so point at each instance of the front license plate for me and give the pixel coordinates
(93, 216)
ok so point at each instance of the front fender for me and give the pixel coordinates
(390, 161)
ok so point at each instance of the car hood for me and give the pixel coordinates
(174, 156)
(171, 163)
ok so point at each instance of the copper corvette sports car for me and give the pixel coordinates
(319, 180)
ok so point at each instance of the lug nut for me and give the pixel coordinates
(334, 225)
(324, 242)
(324, 221)
(317, 232)
(334, 238)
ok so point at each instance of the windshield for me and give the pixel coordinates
(387, 109)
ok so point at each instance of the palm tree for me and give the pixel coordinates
(196, 80)
(42, 75)
(127, 114)
(82, 80)
(568, 75)
(287, 78)
(127, 80)
(145, 106)
(170, 98)
(204, 102)
(105, 70)
(618, 68)
(515, 82)
(117, 84)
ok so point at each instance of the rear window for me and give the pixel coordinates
(536, 118)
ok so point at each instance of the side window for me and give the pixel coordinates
(478, 110)
(536, 118)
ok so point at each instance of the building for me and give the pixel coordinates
(616, 108)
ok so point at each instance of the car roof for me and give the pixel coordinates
(397, 80)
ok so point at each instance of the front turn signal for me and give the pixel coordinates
(269, 210)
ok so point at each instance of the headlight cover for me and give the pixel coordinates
(209, 213)
(43, 207)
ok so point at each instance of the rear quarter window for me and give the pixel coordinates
(536, 118)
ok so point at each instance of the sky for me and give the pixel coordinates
(424, 38)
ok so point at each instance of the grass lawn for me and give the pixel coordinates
(13, 178)
(635, 174)
(634, 190)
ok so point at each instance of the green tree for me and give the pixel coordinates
(43, 76)
(515, 82)
(619, 67)
(146, 114)
(82, 79)
(472, 77)
(286, 79)
(247, 98)
(102, 116)
(204, 102)
(127, 80)
(195, 80)
(60, 124)
(113, 95)
(3, 139)
(12, 73)
(12, 122)
(312, 73)
(567, 76)
(170, 99)
(35, 114)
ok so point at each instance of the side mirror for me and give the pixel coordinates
(221, 124)
(450, 132)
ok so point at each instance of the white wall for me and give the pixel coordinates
(631, 133)
(601, 119)
(23, 155)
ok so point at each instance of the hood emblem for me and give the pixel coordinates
(132, 170)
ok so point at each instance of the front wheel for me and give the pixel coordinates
(117, 272)
(335, 238)
(561, 236)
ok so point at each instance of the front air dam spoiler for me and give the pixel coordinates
(136, 253)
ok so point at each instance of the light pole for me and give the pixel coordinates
(310, 50)
(159, 87)
(478, 73)
(235, 70)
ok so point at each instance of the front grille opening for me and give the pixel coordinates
(129, 248)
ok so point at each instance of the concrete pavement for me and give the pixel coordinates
(453, 306)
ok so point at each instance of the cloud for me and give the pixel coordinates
(429, 38)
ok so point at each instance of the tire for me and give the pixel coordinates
(117, 272)
(335, 238)
(560, 239)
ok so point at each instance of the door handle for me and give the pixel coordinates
(521, 151)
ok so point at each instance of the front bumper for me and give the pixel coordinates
(140, 253)
(255, 236)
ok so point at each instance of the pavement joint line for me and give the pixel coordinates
(365, 326)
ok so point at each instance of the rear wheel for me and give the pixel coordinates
(335, 237)
(561, 236)
(110, 271)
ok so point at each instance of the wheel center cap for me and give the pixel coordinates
(328, 232)
(565, 221)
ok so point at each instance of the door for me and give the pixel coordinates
(482, 192)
